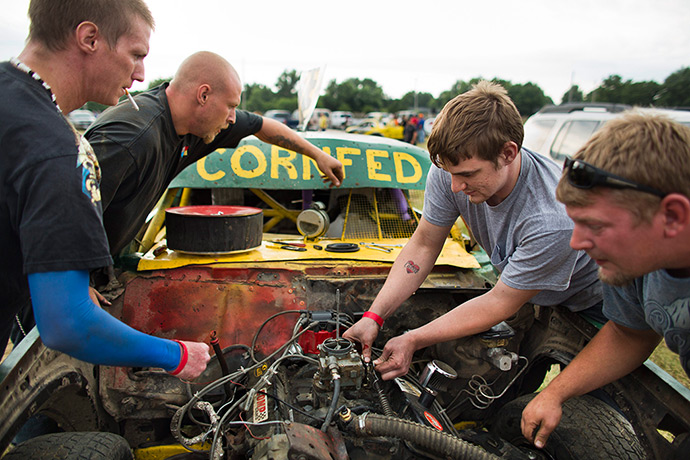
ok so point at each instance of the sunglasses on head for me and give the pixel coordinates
(581, 174)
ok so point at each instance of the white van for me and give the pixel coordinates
(559, 131)
(341, 119)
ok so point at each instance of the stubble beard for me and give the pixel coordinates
(618, 279)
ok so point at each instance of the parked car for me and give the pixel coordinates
(341, 119)
(283, 116)
(283, 383)
(81, 118)
(559, 131)
(374, 127)
(382, 116)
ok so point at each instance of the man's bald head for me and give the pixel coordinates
(207, 68)
(203, 95)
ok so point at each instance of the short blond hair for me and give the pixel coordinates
(647, 148)
(476, 123)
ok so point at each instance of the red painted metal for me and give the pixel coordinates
(190, 302)
(310, 340)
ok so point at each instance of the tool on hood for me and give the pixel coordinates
(342, 247)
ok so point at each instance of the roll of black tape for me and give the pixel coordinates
(342, 247)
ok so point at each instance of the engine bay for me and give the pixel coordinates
(314, 397)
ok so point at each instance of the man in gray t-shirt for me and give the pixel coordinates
(506, 195)
(526, 235)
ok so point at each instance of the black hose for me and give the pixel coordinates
(258, 331)
(334, 405)
(215, 343)
(220, 356)
(383, 399)
(435, 441)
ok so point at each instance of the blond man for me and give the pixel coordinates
(627, 191)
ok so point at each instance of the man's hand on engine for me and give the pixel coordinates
(396, 357)
(363, 331)
(197, 359)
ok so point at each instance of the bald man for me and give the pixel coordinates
(141, 152)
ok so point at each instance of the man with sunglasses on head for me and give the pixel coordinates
(506, 195)
(627, 191)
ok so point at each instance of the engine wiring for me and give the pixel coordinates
(333, 372)
(224, 416)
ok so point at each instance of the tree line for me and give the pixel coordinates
(365, 95)
(674, 92)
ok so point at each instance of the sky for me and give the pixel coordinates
(423, 46)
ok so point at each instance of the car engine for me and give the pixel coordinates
(316, 398)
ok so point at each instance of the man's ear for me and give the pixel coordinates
(509, 151)
(88, 36)
(202, 94)
(676, 213)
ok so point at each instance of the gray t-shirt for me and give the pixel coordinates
(655, 301)
(527, 235)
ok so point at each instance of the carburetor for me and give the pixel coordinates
(338, 356)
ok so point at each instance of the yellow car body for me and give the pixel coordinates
(374, 127)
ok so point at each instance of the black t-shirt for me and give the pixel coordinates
(140, 154)
(50, 210)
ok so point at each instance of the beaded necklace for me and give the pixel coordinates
(26, 69)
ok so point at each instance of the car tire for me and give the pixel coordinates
(72, 446)
(589, 428)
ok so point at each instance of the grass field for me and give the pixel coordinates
(668, 361)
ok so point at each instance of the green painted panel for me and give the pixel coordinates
(369, 161)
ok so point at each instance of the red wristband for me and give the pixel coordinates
(374, 316)
(183, 360)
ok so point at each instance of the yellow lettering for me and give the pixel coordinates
(285, 162)
(236, 162)
(399, 157)
(374, 166)
(308, 162)
(201, 169)
(342, 151)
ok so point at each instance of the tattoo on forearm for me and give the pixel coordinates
(284, 142)
(411, 267)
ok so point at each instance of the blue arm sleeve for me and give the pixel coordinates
(70, 322)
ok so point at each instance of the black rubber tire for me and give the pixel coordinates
(589, 428)
(72, 445)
